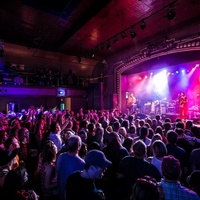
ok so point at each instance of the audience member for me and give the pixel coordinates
(159, 150)
(68, 162)
(145, 189)
(170, 188)
(133, 167)
(81, 184)
(193, 181)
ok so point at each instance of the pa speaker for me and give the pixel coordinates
(141, 116)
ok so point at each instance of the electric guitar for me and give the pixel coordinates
(182, 101)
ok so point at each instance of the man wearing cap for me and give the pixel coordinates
(170, 188)
(81, 184)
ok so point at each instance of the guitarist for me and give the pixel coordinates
(182, 105)
(131, 104)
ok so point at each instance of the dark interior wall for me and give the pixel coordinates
(78, 102)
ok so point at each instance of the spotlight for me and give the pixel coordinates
(143, 25)
(123, 35)
(108, 45)
(133, 34)
(102, 46)
(171, 13)
(115, 39)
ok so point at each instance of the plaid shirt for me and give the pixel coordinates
(175, 191)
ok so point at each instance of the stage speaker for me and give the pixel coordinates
(141, 116)
(173, 117)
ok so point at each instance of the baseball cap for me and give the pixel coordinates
(171, 167)
(97, 158)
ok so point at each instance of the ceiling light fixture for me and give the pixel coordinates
(108, 45)
(123, 35)
(115, 39)
(133, 33)
(171, 13)
(143, 25)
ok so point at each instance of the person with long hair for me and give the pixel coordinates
(145, 189)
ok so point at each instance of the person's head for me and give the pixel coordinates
(158, 117)
(167, 119)
(122, 132)
(66, 134)
(73, 144)
(128, 143)
(96, 163)
(139, 149)
(154, 122)
(141, 122)
(125, 124)
(179, 131)
(159, 130)
(99, 134)
(171, 168)
(180, 125)
(167, 126)
(94, 145)
(145, 189)
(83, 123)
(188, 124)
(116, 126)
(193, 181)
(49, 152)
(149, 121)
(132, 129)
(91, 127)
(172, 137)
(130, 119)
(151, 133)
(3, 136)
(113, 140)
(144, 132)
(159, 149)
(83, 135)
(23, 135)
(182, 94)
(55, 127)
(155, 137)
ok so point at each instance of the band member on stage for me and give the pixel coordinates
(183, 105)
(131, 104)
(157, 106)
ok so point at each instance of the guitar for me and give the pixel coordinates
(182, 101)
(156, 102)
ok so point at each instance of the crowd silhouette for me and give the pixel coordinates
(59, 154)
